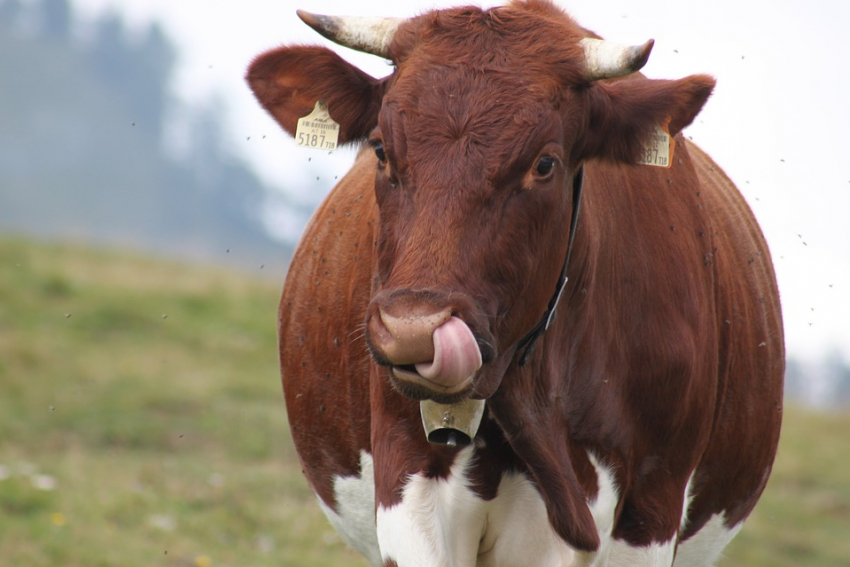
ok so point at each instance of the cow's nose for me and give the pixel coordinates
(409, 338)
(429, 351)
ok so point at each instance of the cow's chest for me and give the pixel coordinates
(443, 522)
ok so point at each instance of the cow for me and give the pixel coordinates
(597, 329)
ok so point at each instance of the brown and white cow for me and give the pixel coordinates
(640, 427)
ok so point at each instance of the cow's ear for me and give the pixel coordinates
(624, 113)
(289, 81)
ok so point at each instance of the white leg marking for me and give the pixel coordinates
(656, 554)
(438, 523)
(686, 504)
(704, 548)
(602, 509)
(652, 555)
(354, 518)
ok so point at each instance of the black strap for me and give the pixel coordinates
(529, 340)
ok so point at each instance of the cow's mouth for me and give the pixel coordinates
(410, 382)
(431, 357)
(404, 369)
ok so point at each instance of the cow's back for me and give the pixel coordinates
(323, 353)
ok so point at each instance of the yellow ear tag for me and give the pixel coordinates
(658, 148)
(317, 130)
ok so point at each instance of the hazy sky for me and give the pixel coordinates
(777, 123)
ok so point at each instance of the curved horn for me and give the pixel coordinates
(370, 35)
(606, 60)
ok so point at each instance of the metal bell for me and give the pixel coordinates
(454, 425)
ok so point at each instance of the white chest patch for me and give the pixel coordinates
(439, 522)
(705, 547)
(443, 523)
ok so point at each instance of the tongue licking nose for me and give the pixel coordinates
(432, 350)
(456, 356)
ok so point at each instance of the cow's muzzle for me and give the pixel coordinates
(434, 345)
(431, 350)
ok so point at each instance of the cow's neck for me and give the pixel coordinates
(527, 343)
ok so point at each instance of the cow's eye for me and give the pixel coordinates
(379, 151)
(544, 166)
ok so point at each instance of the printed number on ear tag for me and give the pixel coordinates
(317, 130)
(658, 149)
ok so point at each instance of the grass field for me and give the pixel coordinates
(141, 423)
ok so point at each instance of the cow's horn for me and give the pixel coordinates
(606, 60)
(368, 34)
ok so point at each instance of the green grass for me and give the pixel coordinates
(144, 398)
(804, 516)
(141, 423)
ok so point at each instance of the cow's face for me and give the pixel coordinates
(477, 138)
(473, 184)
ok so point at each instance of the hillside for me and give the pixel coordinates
(141, 423)
(94, 147)
(141, 417)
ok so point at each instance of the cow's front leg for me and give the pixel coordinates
(657, 515)
(653, 555)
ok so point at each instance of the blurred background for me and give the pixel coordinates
(148, 210)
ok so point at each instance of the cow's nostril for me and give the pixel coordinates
(413, 326)
(409, 336)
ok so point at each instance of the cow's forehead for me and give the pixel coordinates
(470, 79)
(465, 127)
(455, 119)
(532, 40)
(463, 100)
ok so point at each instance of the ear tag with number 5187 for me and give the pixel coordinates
(658, 149)
(317, 130)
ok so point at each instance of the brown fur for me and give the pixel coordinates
(666, 356)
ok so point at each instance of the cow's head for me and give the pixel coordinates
(477, 137)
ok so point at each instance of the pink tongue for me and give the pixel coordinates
(456, 355)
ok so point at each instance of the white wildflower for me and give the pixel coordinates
(162, 522)
(43, 481)
(216, 480)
